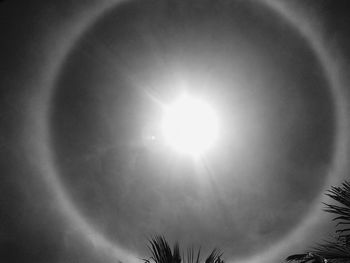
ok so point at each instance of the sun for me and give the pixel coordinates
(189, 126)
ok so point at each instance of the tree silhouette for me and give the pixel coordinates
(162, 253)
(338, 249)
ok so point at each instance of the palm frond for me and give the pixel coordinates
(162, 253)
(333, 250)
(306, 257)
(297, 257)
(176, 253)
(191, 258)
(342, 211)
(214, 257)
(337, 250)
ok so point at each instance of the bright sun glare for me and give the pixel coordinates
(190, 126)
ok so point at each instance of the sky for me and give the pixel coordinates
(85, 175)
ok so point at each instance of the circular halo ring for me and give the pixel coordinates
(47, 166)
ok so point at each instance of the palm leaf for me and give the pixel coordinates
(337, 250)
(306, 257)
(191, 258)
(162, 253)
(332, 250)
(214, 257)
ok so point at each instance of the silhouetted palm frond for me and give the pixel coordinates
(333, 251)
(214, 257)
(337, 250)
(162, 253)
(304, 258)
(191, 258)
(342, 196)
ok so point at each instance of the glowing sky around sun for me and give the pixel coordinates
(114, 103)
(101, 140)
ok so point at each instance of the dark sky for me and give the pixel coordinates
(82, 182)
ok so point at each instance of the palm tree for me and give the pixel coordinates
(162, 253)
(338, 249)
